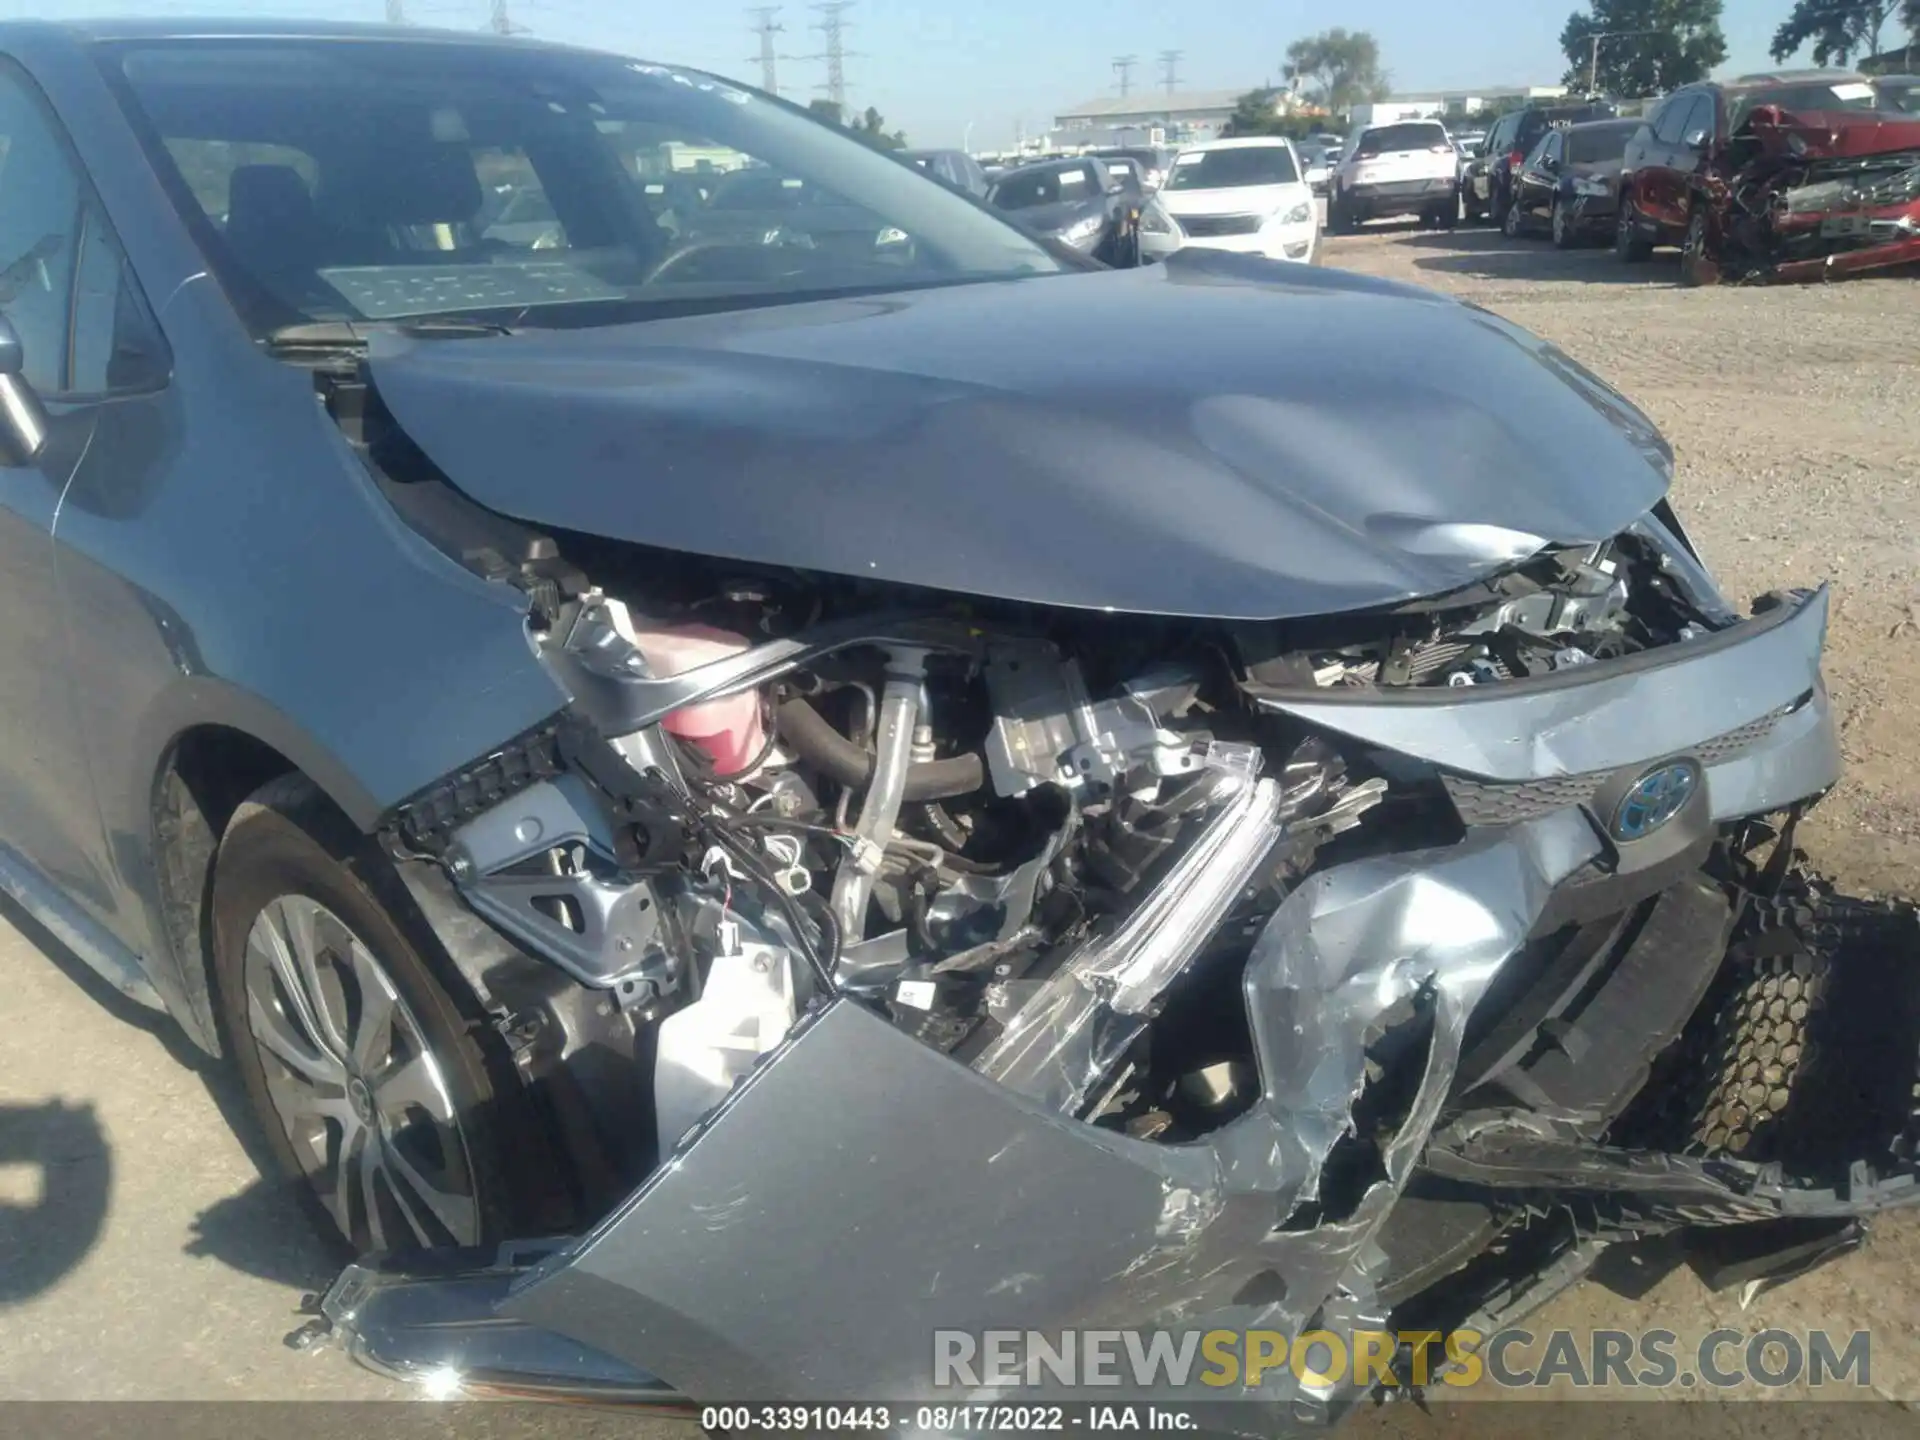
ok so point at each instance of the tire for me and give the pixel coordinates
(1340, 217)
(382, 1105)
(1697, 268)
(1513, 223)
(1447, 217)
(1628, 243)
(1564, 237)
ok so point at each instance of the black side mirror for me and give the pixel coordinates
(23, 420)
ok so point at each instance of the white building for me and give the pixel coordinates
(1449, 102)
(1181, 115)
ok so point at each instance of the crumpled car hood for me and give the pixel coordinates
(1834, 134)
(1217, 436)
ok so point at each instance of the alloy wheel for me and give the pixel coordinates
(355, 1085)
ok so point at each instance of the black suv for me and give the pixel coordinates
(1487, 187)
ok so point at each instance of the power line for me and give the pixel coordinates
(766, 27)
(1170, 69)
(1123, 68)
(832, 26)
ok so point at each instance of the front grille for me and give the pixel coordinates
(1510, 802)
(1205, 225)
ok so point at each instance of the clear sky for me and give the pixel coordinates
(933, 67)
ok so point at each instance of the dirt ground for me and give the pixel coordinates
(1797, 462)
(141, 1257)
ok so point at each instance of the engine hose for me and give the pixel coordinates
(809, 732)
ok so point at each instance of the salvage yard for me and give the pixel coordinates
(150, 1262)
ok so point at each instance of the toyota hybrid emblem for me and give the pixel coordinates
(1654, 799)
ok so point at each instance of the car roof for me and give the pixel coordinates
(91, 31)
(1796, 77)
(1238, 142)
(1617, 122)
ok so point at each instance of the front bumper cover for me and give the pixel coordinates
(937, 1199)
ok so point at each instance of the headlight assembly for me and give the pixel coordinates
(1299, 214)
(1082, 230)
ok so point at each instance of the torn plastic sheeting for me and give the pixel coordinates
(1527, 1151)
(1060, 1044)
(936, 1199)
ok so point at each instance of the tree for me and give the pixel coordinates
(1839, 29)
(1255, 113)
(1341, 67)
(1647, 47)
(872, 128)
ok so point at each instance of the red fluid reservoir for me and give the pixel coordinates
(729, 730)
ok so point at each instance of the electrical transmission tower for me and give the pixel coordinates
(396, 12)
(500, 24)
(1170, 68)
(1123, 68)
(833, 27)
(766, 27)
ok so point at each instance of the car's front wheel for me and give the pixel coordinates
(1628, 243)
(1513, 222)
(1697, 267)
(364, 1069)
(1563, 234)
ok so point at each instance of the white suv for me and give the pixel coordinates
(1249, 195)
(1408, 167)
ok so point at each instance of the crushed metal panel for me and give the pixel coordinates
(932, 1198)
(917, 1186)
(1602, 718)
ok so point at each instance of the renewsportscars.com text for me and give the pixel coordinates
(1516, 1358)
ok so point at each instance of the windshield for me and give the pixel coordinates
(1030, 189)
(1227, 169)
(1902, 94)
(333, 180)
(1796, 99)
(1391, 138)
(1590, 144)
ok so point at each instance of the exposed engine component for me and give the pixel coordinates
(1005, 832)
(1564, 609)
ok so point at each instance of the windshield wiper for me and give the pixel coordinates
(328, 337)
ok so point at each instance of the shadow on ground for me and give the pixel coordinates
(263, 1230)
(60, 1177)
(1490, 255)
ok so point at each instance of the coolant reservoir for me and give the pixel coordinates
(729, 730)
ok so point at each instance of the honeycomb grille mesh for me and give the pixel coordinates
(1511, 802)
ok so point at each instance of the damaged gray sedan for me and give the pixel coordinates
(751, 732)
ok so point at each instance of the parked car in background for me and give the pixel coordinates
(1898, 92)
(1160, 235)
(824, 792)
(1075, 202)
(1471, 142)
(1698, 137)
(1148, 163)
(951, 167)
(1569, 185)
(1407, 168)
(1315, 168)
(1489, 177)
(1792, 174)
(1247, 195)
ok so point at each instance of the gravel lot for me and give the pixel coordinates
(142, 1258)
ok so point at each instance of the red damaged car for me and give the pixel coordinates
(1790, 176)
